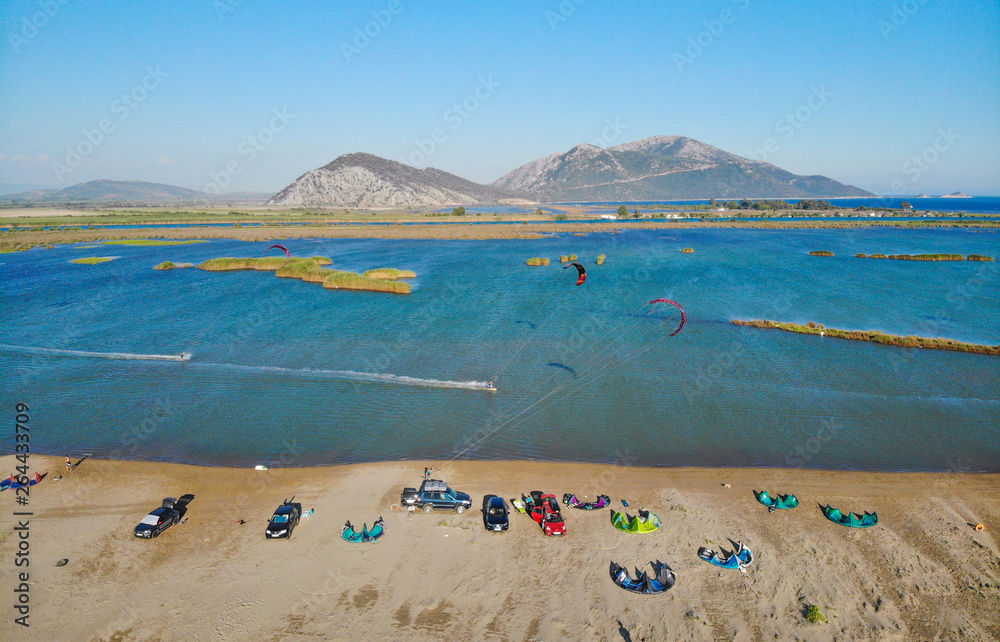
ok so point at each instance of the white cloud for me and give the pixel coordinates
(24, 159)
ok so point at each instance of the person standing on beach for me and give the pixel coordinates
(427, 473)
(69, 464)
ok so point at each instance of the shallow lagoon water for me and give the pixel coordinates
(270, 379)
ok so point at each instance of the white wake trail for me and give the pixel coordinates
(354, 375)
(184, 356)
(351, 375)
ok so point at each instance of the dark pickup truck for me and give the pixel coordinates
(435, 493)
(170, 512)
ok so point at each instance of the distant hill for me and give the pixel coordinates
(956, 195)
(105, 190)
(244, 197)
(365, 180)
(662, 167)
(15, 188)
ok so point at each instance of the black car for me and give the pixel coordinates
(285, 518)
(435, 493)
(495, 513)
(169, 513)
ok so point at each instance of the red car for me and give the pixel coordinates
(545, 511)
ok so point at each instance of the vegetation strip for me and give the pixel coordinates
(92, 260)
(151, 242)
(27, 238)
(873, 336)
(924, 257)
(311, 270)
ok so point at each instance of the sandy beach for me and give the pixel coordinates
(922, 573)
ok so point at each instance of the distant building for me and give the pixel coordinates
(609, 217)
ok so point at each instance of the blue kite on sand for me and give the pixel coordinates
(739, 558)
(12, 482)
(663, 579)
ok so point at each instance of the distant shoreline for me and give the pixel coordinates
(454, 230)
(696, 470)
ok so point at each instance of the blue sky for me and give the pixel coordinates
(894, 97)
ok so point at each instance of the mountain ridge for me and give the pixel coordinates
(106, 190)
(655, 168)
(365, 180)
(662, 167)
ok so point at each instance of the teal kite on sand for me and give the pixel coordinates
(781, 501)
(364, 535)
(850, 519)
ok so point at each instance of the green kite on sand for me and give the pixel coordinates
(644, 522)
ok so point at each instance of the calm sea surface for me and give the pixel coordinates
(285, 372)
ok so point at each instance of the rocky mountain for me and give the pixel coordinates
(105, 190)
(662, 167)
(365, 180)
(956, 195)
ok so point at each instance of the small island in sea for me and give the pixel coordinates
(873, 336)
(312, 270)
(924, 257)
(535, 261)
(92, 260)
(170, 265)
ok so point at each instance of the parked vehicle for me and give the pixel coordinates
(286, 517)
(435, 493)
(495, 514)
(545, 511)
(170, 512)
